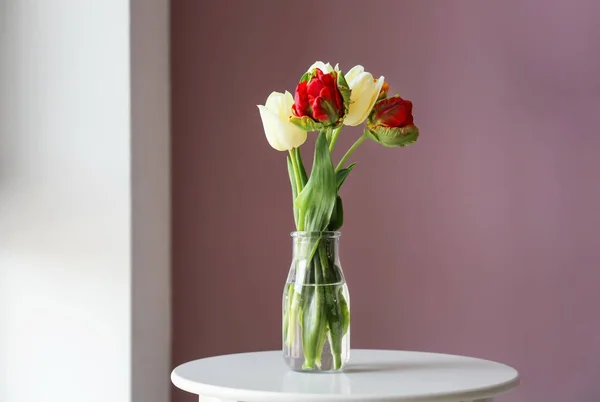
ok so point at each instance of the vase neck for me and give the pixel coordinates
(316, 258)
(305, 244)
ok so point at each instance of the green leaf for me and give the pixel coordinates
(317, 200)
(337, 216)
(312, 324)
(341, 175)
(290, 167)
(321, 342)
(303, 176)
(345, 311)
(289, 296)
(333, 314)
(306, 77)
(328, 134)
(313, 318)
(394, 136)
(294, 314)
(345, 91)
(305, 123)
(315, 204)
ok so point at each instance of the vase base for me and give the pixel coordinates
(326, 365)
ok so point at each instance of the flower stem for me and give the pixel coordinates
(333, 311)
(350, 151)
(296, 170)
(299, 187)
(334, 138)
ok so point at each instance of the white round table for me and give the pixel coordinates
(371, 376)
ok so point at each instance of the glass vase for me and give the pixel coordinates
(316, 305)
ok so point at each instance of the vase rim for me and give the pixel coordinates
(304, 234)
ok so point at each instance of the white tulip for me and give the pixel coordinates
(325, 68)
(281, 134)
(363, 95)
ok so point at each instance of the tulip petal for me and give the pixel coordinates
(319, 109)
(281, 134)
(325, 68)
(353, 72)
(274, 101)
(300, 100)
(327, 80)
(270, 125)
(394, 112)
(313, 89)
(363, 96)
(288, 102)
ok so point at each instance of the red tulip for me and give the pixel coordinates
(392, 112)
(391, 123)
(319, 98)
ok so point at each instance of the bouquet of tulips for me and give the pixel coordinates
(325, 100)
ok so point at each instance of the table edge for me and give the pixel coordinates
(233, 394)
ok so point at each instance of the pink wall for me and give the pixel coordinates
(482, 239)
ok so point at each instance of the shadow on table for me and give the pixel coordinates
(394, 366)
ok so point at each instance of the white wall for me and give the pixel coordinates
(67, 256)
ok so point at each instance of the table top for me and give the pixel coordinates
(371, 375)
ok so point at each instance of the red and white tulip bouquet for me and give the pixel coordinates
(315, 311)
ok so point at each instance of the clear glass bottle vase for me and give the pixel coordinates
(316, 305)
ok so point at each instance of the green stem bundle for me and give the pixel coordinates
(318, 305)
(316, 302)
